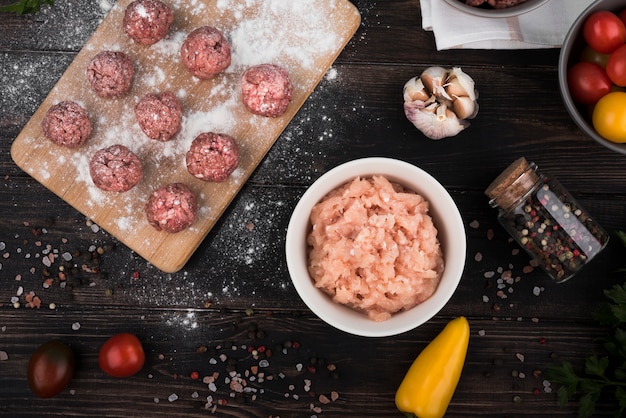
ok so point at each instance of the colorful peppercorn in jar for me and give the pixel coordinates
(545, 220)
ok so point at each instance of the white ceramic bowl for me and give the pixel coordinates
(447, 220)
(571, 50)
(516, 10)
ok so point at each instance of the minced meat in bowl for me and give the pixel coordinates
(374, 247)
(443, 253)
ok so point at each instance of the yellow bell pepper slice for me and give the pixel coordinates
(430, 382)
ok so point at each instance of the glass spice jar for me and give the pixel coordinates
(545, 220)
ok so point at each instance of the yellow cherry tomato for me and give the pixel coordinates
(609, 117)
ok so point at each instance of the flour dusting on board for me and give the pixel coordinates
(268, 36)
(303, 36)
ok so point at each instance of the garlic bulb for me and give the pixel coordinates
(440, 101)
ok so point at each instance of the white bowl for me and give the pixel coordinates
(446, 218)
(516, 10)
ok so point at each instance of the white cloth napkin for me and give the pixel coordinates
(544, 27)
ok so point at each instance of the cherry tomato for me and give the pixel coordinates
(616, 66)
(604, 31)
(121, 355)
(50, 369)
(587, 82)
(609, 117)
(591, 55)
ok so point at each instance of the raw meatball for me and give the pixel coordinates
(172, 208)
(110, 74)
(115, 169)
(266, 90)
(147, 21)
(212, 157)
(205, 52)
(159, 116)
(66, 124)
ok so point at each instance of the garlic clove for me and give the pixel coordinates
(460, 84)
(464, 107)
(414, 90)
(433, 79)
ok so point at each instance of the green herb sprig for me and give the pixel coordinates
(603, 376)
(23, 7)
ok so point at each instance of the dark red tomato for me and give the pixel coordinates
(588, 82)
(616, 66)
(591, 55)
(50, 369)
(604, 31)
(121, 355)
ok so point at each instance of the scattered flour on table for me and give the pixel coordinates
(184, 319)
(105, 5)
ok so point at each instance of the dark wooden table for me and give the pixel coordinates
(236, 293)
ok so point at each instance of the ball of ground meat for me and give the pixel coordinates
(266, 90)
(212, 157)
(205, 52)
(147, 21)
(159, 115)
(172, 208)
(115, 169)
(66, 124)
(110, 74)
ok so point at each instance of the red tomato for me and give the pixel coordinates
(616, 66)
(121, 355)
(604, 31)
(588, 82)
(50, 369)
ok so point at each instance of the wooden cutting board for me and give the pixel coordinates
(304, 36)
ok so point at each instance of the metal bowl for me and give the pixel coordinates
(517, 10)
(571, 50)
